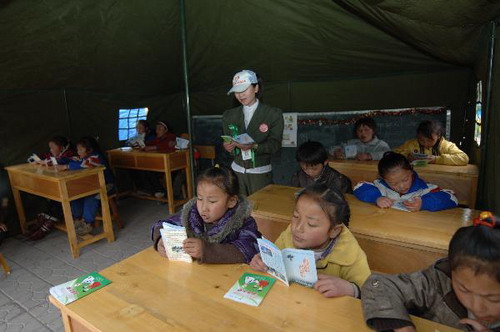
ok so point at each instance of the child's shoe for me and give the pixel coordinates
(84, 229)
(44, 229)
(159, 194)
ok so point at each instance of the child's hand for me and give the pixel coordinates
(363, 156)
(406, 329)
(3, 227)
(413, 204)
(339, 154)
(432, 159)
(193, 247)
(331, 286)
(475, 325)
(229, 147)
(257, 264)
(384, 202)
(161, 249)
(244, 147)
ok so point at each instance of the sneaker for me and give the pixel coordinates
(85, 229)
(40, 219)
(159, 194)
(45, 229)
(79, 223)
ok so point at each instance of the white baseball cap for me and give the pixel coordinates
(242, 80)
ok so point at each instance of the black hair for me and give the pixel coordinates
(331, 201)
(392, 160)
(427, 128)
(478, 248)
(146, 125)
(367, 121)
(90, 144)
(59, 140)
(311, 153)
(222, 177)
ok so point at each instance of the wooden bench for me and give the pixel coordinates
(394, 241)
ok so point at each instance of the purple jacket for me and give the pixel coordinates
(236, 227)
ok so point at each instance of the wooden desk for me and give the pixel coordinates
(461, 179)
(394, 241)
(62, 186)
(156, 162)
(149, 293)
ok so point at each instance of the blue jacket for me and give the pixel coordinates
(95, 159)
(433, 197)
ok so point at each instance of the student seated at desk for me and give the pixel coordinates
(164, 141)
(430, 141)
(313, 160)
(142, 136)
(319, 223)
(151, 182)
(368, 145)
(462, 290)
(217, 221)
(61, 149)
(84, 210)
(399, 183)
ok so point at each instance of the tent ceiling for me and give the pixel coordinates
(134, 47)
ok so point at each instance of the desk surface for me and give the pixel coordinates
(51, 173)
(149, 293)
(423, 228)
(467, 170)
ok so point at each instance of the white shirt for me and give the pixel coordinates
(248, 112)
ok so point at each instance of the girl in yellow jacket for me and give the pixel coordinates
(430, 141)
(319, 223)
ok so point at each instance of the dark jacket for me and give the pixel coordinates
(388, 300)
(166, 143)
(329, 176)
(232, 239)
(266, 128)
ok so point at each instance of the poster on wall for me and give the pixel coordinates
(290, 131)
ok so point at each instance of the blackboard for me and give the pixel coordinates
(395, 130)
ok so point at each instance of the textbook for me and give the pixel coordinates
(250, 289)
(241, 139)
(173, 237)
(398, 205)
(289, 265)
(181, 143)
(77, 288)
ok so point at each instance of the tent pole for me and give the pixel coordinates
(187, 105)
(485, 117)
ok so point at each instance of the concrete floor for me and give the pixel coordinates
(37, 266)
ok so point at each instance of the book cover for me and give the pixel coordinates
(77, 288)
(250, 289)
(241, 139)
(398, 205)
(289, 265)
(173, 237)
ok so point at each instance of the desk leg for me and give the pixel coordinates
(106, 215)
(70, 223)
(170, 191)
(20, 210)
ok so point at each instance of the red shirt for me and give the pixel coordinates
(166, 143)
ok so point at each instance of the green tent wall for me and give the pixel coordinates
(67, 66)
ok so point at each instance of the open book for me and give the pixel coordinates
(181, 143)
(250, 289)
(399, 205)
(77, 288)
(173, 236)
(289, 265)
(241, 139)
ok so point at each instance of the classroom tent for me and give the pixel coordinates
(67, 66)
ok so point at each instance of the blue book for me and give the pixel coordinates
(289, 265)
